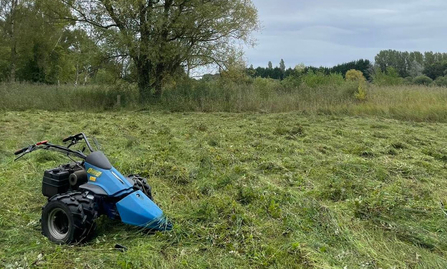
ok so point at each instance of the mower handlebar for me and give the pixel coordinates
(21, 150)
(30, 147)
(48, 146)
(67, 139)
(77, 137)
(71, 137)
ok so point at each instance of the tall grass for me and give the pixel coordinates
(66, 97)
(310, 95)
(263, 95)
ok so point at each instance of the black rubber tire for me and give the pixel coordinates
(69, 218)
(140, 183)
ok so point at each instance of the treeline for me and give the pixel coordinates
(280, 72)
(411, 64)
(396, 67)
(391, 67)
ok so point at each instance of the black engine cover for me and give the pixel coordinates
(56, 180)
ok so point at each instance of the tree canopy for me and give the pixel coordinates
(56, 41)
(163, 37)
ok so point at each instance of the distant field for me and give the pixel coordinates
(244, 190)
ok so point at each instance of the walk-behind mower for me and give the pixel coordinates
(81, 191)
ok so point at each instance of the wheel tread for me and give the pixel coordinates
(83, 212)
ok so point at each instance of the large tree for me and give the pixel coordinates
(9, 17)
(162, 36)
(33, 47)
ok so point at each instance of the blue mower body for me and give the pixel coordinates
(133, 206)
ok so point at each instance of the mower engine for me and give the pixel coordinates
(62, 179)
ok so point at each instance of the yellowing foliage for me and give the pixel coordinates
(357, 76)
(360, 94)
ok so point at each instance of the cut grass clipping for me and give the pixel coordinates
(243, 191)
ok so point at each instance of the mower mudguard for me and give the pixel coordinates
(93, 188)
(137, 209)
(110, 180)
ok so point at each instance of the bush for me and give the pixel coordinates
(360, 95)
(388, 78)
(355, 75)
(348, 90)
(422, 80)
(315, 80)
(408, 81)
(267, 86)
(441, 81)
(103, 77)
(291, 83)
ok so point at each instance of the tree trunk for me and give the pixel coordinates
(144, 67)
(12, 76)
(144, 64)
(159, 70)
(77, 74)
(188, 71)
(14, 7)
(160, 67)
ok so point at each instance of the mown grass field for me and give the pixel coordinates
(243, 190)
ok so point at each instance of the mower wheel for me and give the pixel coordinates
(140, 183)
(69, 218)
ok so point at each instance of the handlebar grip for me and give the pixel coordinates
(67, 138)
(76, 136)
(21, 150)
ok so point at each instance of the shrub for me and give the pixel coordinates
(348, 90)
(291, 83)
(441, 81)
(315, 80)
(103, 77)
(408, 81)
(388, 78)
(355, 75)
(267, 86)
(360, 95)
(422, 80)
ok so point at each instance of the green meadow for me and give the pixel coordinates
(244, 190)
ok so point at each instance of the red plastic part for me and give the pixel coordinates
(42, 142)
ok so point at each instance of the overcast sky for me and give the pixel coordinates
(329, 32)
